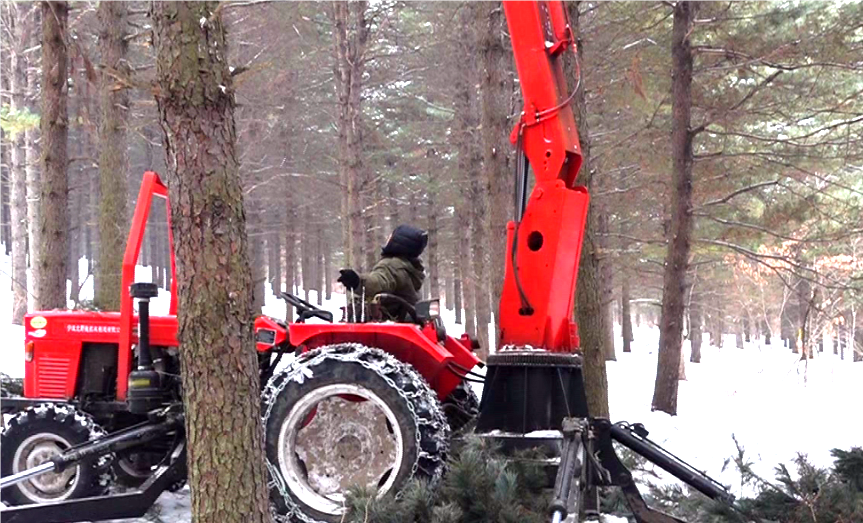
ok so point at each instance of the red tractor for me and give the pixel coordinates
(382, 396)
(372, 404)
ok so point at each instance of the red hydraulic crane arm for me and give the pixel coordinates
(544, 241)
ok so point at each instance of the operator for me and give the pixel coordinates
(399, 272)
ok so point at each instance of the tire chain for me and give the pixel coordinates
(386, 366)
(62, 412)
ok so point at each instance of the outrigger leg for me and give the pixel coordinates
(588, 461)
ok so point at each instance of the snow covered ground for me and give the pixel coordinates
(773, 403)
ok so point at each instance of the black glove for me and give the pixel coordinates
(349, 278)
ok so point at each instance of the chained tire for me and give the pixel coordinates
(39, 433)
(345, 416)
(461, 407)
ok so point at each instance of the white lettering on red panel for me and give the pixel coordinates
(101, 329)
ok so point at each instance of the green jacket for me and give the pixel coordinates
(392, 275)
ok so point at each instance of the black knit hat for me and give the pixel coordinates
(406, 241)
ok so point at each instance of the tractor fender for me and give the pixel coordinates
(433, 360)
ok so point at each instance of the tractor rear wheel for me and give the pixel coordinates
(34, 436)
(348, 415)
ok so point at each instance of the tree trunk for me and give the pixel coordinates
(18, 158)
(351, 37)
(626, 314)
(75, 225)
(274, 258)
(290, 245)
(154, 249)
(738, 334)
(259, 270)
(766, 329)
(113, 162)
(328, 278)
(456, 287)
(747, 327)
(434, 269)
(320, 279)
(680, 237)
(606, 280)
(219, 364)
(32, 156)
(589, 309)
(51, 281)
(499, 183)
(307, 254)
(465, 126)
(695, 328)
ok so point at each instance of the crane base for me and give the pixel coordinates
(528, 391)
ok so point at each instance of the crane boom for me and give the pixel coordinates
(544, 240)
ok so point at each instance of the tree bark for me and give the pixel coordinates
(113, 161)
(32, 171)
(432, 216)
(351, 37)
(51, 281)
(495, 108)
(589, 308)
(259, 270)
(461, 224)
(18, 157)
(328, 278)
(680, 237)
(695, 327)
(290, 246)
(320, 280)
(274, 265)
(626, 314)
(606, 279)
(218, 360)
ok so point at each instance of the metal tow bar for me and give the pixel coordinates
(131, 436)
(116, 506)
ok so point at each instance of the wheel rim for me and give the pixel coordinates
(335, 437)
(34, 451)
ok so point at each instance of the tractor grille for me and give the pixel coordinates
(52, 375)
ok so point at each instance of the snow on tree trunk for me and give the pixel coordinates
(680, 233)
(113, 161)
(195, 100)
(51, 281)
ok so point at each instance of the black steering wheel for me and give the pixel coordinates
(306, 310)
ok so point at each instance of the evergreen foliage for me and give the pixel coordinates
(483, 486)
(806, 494)
(480, 486)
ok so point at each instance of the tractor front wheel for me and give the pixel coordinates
(36, 435)
(347, 416)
